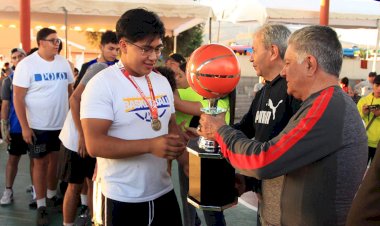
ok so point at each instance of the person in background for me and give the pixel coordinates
(78, 166)
(364, 88)
(174, 61)
(369, 109)
(344, 84)
(109, 51)
(11, 131)
(42, 85)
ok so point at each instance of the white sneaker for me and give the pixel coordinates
(7, 197)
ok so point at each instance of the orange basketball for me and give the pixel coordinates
(213, 71)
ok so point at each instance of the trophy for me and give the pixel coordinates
(213, 72)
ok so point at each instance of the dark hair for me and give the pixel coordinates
(169, 75)
(76, 70)
(344, 81)
(6, 64)
(18, 50)
(372, 74)
(177, 58)
(138, 24)
(108, 37)
(60, 47)
(43, 33)
(32, 50)
(183, 67)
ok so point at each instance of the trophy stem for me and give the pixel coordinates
(213, 106)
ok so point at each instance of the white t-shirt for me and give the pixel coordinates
(47, 83)
(111, 96)
(69, 134)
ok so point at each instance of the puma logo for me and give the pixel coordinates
(273, 108)
(263, 117)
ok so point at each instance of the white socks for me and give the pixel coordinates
(51, 193)
(83, 199)
(41, 202)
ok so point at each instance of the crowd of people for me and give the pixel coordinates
(120, 121)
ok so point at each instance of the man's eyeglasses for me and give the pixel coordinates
(54, 41)
(148, 50)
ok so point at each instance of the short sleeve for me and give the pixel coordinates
(97, 101)
(21, 76)
(91, 72)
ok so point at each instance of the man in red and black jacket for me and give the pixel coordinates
(322, 151)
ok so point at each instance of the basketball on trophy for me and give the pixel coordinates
(213, 71)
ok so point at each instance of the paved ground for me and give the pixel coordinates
(19, 213)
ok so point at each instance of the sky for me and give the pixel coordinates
(349, 37)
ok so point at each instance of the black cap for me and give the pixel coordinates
(178, 58)
(377, 80)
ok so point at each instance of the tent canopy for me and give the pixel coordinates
(102, 14)
(343, 13)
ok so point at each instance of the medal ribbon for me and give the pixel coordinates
(152, 108)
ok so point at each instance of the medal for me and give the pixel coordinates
(156, 124)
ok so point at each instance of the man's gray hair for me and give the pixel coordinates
(275, 34)
(322, 42)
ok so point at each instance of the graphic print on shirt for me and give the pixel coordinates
(50, 76)
(141, 110)
(263, 117)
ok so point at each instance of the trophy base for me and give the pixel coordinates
(208, 145)
(211, 180)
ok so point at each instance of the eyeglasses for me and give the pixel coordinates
(148, 50)
(54, 41)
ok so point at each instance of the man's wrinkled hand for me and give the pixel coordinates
(209, 125)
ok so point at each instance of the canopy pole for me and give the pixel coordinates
(65, 11)
(324, 13)
(175, 44)
(25, 24)
(209, 30)
(377, 46)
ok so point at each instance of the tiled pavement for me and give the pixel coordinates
(19, 214)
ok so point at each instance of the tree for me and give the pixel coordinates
(187, 41)
(94, 37)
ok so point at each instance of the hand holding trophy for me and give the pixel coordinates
(213, 71)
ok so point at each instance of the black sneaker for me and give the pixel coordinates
(42, 216)
(33, 204)
(54, 202)
(83, 211)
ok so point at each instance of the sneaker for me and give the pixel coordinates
(83, 218)
(54, 202)
(33, 204)
(42, 216)
(29, 189)
(83, 211)
(7, 197)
